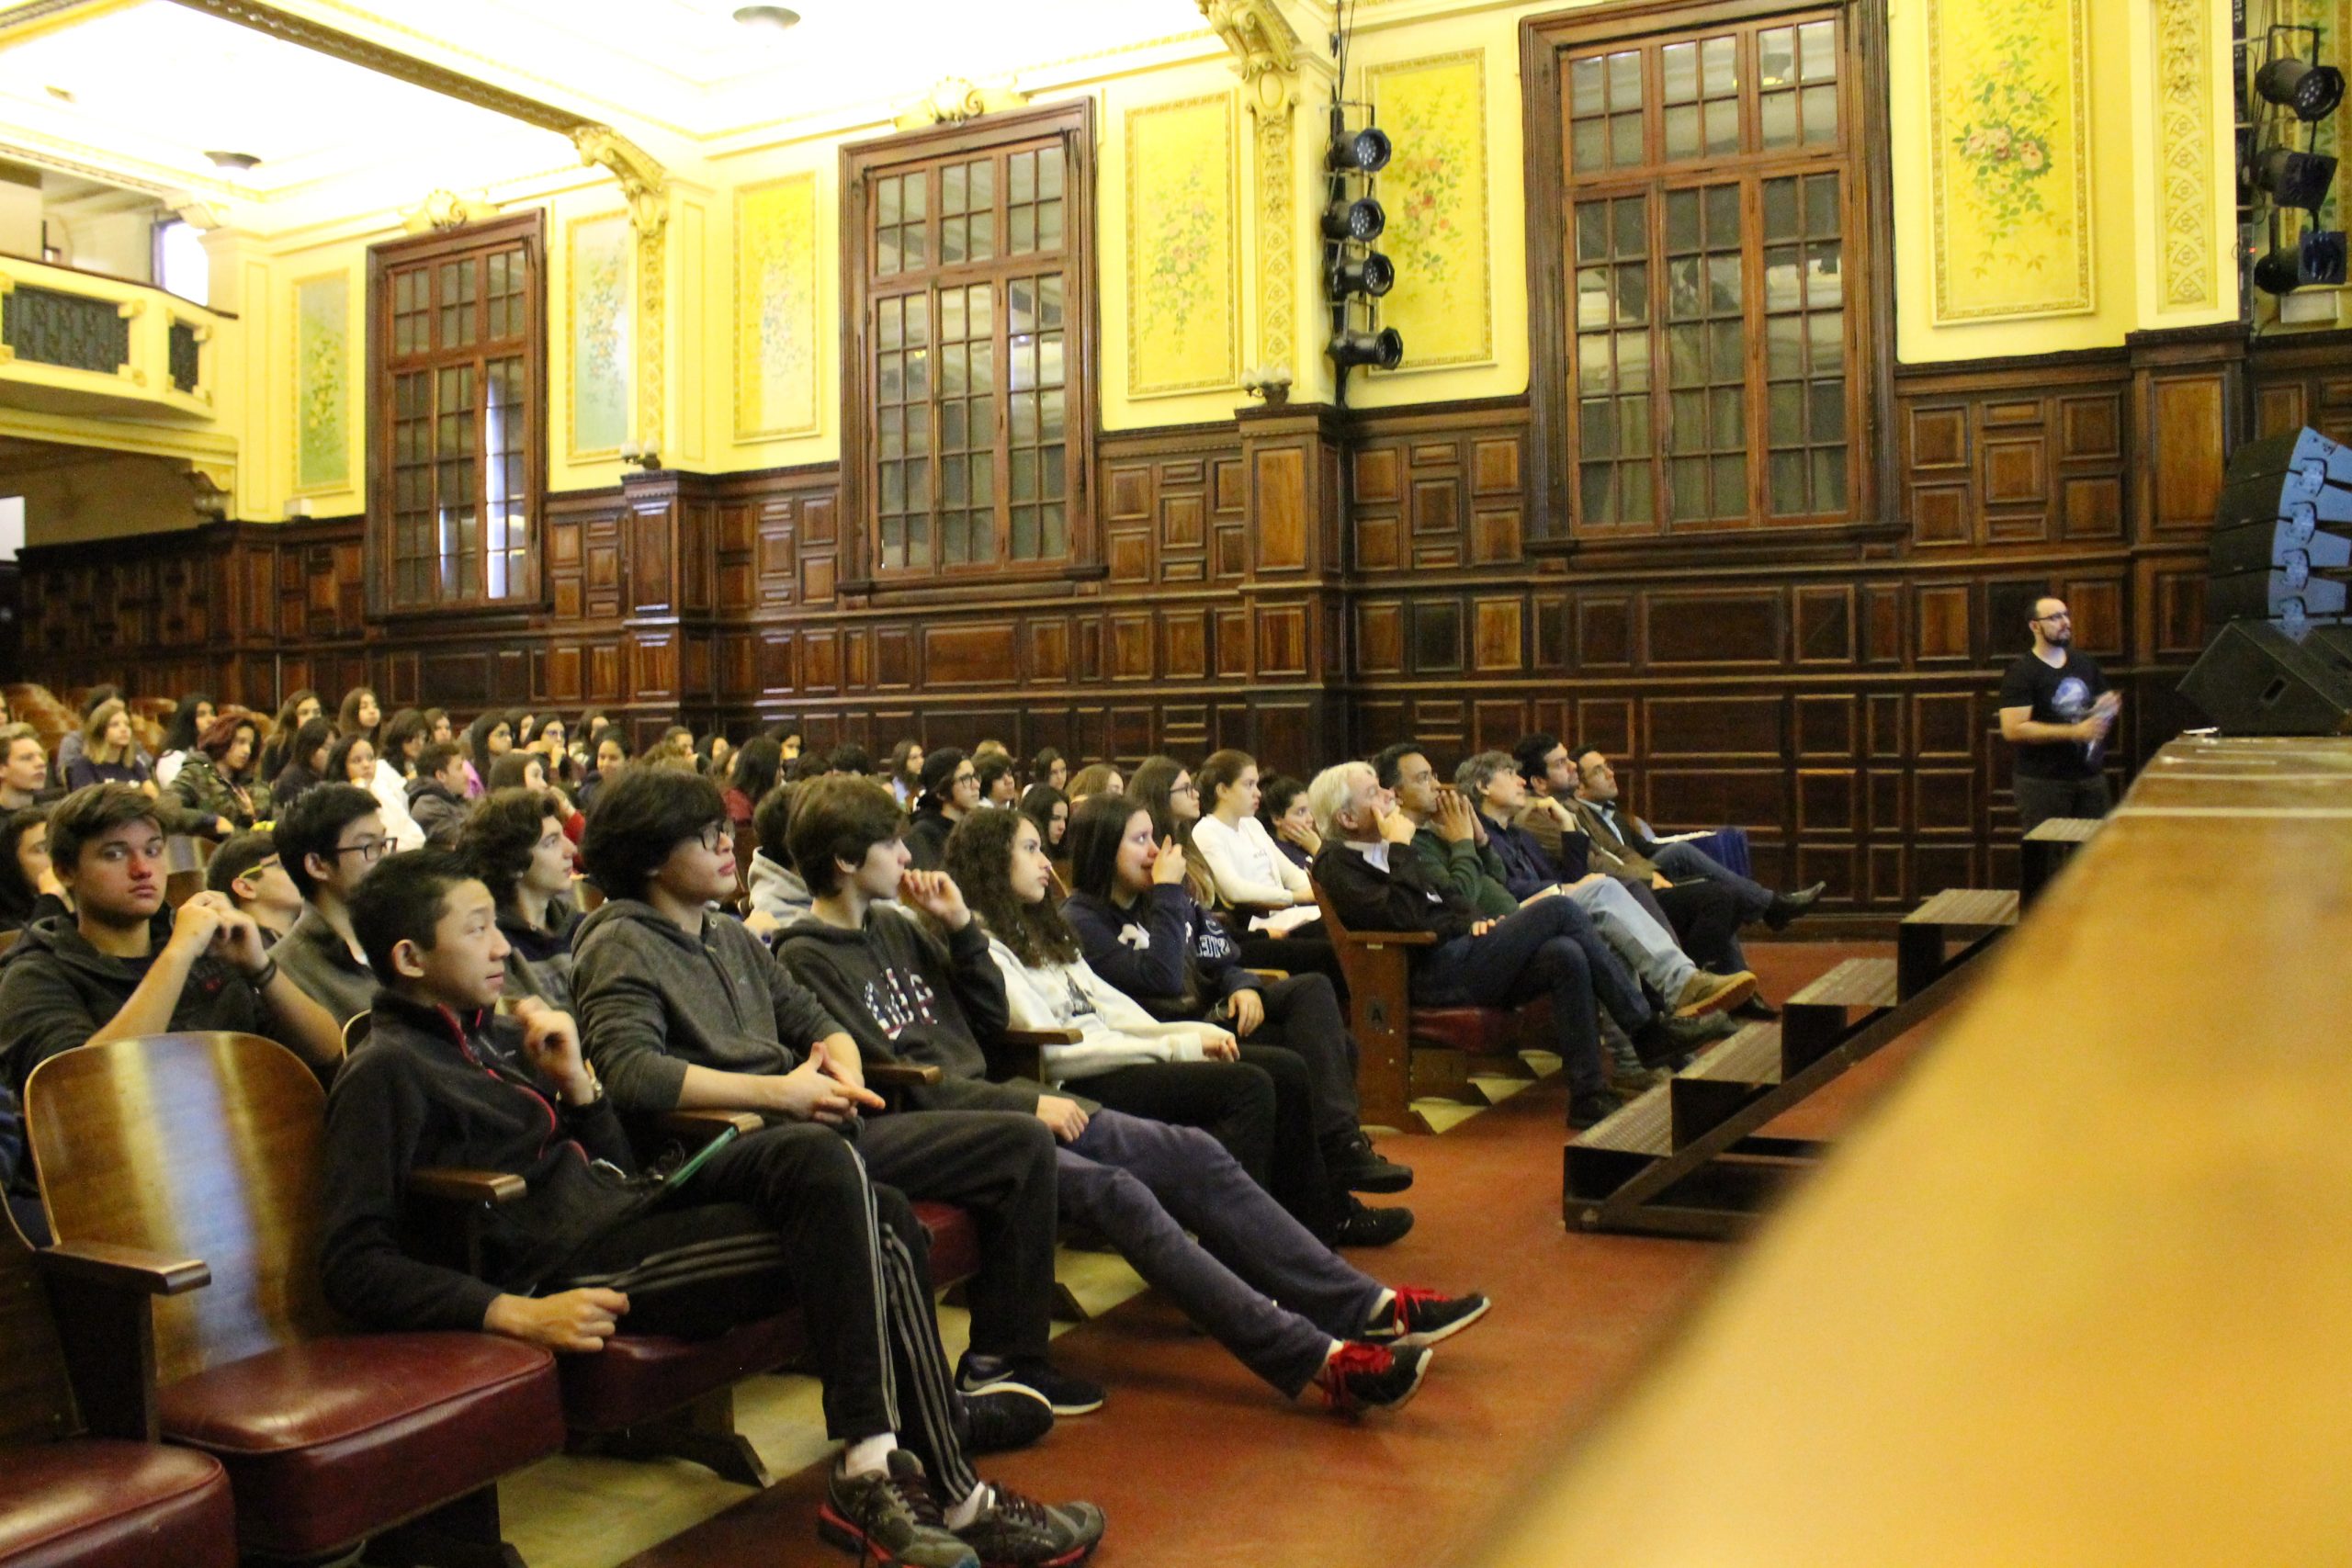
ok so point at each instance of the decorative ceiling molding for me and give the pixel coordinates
(446, 210)
(953, 100)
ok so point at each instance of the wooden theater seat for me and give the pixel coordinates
(1406, 1051)
(72, 1497)
(208, 1147)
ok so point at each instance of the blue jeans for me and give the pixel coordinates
(1685, 862)
(1548, 947)
(1143, 1184)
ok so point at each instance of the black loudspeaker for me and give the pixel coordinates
(2256, 679)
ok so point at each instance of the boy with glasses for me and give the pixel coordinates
(247, 872)
(328, 841)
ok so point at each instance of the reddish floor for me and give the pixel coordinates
(1198, 1464)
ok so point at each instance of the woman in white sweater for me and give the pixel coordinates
(1188, 1074)
(1230, 841)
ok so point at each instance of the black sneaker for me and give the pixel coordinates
(1014, 1532)
(1067, 1394)
(889, 1518)
(1371, 1377)
(1664, 1040)
(1363, 1226)
(1592, 1107)
(1787, 907)
(1415, 1316)
(1757, 1010)
(1356, 1166)
(1005, 1415)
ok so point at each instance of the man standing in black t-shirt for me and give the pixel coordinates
(2056, 709)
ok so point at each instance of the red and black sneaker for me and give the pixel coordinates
(1416, 1317)
(1371, 1377)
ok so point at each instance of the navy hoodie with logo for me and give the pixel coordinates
(432, 1087)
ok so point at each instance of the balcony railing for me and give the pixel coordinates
(82, 343)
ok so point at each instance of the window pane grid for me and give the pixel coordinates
(1706, 356)
(1804, 334)
(1613, 338)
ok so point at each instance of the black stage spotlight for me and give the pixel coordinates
(1361, 219)
(1382, 350)
(2316, 260)
(2292, 178)
(2311, 91)
(1362, 152)
(1372, 275)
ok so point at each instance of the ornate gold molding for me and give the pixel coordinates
(953, 100)
(2184, 141)
(446, 210)
(1268, 56)
(646, 186)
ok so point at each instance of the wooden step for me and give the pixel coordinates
(2063, 830)
(2045, 847)
(1612, 1152)
(1921, 941)
(1814, 1020)
(1724, 1078)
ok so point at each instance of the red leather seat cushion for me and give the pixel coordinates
(1484, 1032)
(109, 1504)
(636, 1377)
(954, 1243)
(333, 1440)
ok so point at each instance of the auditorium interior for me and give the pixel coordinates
(1761, 403)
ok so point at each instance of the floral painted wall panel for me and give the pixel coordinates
(775, 309)
(600, 262)
(1182, 256)
(2007, 105)
(322, 383)
(1434, 189)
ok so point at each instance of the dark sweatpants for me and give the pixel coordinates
(1704, 917)
(1261, 1107)
(998, 1165)
(783, 1216)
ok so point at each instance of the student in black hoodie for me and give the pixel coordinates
(682, 1007)
(437, 796)
(1289, 1309)
(514, 840)
(125, 964)
(785, 1214)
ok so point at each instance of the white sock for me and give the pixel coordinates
(869, 1456)
(964, 1512)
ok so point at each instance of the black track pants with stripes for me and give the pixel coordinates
(787, 1216)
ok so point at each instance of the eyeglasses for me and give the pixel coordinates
(369, 850)
(1186, 788)
(712, 836)
(2062, 616)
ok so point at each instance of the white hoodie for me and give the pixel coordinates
(1119, 1034)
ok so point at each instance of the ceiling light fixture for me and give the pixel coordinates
(62, 94)
(240, 162)
(777, 16)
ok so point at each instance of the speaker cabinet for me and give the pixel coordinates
(2256, 679)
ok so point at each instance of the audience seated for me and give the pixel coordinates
(329, 840)
(951, 790)
(1048, 767)
(437, 796)
(360, 714)
(1239, 854)
(849, 761)
(217, 778)
(1138, 1183)
(1375, 881)
(70, 745)
(779, 896)
(299, 709)
(28, 888)
(1142, 935)
(753, 773)
(247, 872)
(1000, 783)
(306, 765)
(190, 719)
(1049, 808)
(513, 843)
(1287, 817)
(1095, 778)
(785, 1214)
(906, 772)
(609, 756)
(490, 737)
(24, 769)
(683, 1009)
(124, 963)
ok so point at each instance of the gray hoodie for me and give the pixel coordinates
(652, 1001)
(776, 892)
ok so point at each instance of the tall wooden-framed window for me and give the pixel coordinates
(457, 469)
(968, 378)
(1706, 248)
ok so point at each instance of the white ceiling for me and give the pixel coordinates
(154, 85)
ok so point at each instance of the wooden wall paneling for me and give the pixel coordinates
(2188, 415)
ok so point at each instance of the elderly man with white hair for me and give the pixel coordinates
(1546, 947)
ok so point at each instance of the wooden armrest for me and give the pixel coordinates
(125, 1268)
(1042, 1037)
(706, 1125)
(1269, 974)
(453, 1186)
(1392, 939)
(901, 1075)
